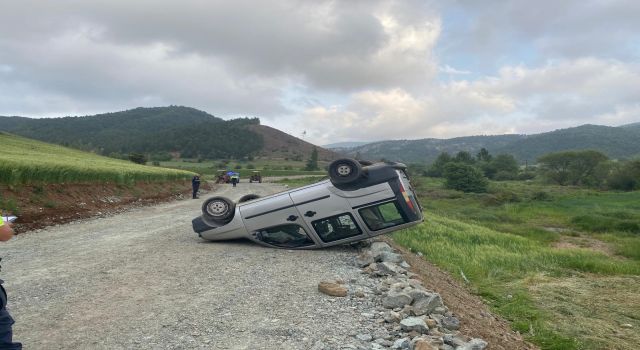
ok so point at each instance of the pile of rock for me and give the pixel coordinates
(406, 315)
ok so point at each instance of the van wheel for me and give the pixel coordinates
(343, 171)
(248, 197)
(219, 208)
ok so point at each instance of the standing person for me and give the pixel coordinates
(6, 334)
(234, 179)
(195, 185)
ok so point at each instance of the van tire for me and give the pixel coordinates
(220, 209)
(344, 171)
(248, 197)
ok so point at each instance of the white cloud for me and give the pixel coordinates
(517, 100)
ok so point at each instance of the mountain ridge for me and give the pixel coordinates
(616, 142)
(185, 131)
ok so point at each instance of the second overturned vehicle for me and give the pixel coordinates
(358, 201)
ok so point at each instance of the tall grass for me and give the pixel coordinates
(500, 266)
(25, 161)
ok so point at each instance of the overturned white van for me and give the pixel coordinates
(358, 201)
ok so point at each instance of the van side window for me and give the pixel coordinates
(286, 236)
(382, 216)
(337, 227)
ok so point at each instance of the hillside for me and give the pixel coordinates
(179, 130)
(426, 150)
(25, 161)
(278, 144)
(187, 131)
(616, 142)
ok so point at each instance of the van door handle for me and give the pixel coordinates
(292, 218)
(310, 213)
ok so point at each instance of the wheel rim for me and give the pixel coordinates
(343, 170)
(217, 208)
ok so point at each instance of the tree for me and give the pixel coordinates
(483, 155)
(505, 167)
(625, 177)
(312, 163)
(464, 157)
(137, 158)
(465, 178)
(437, 168)
(573, 167)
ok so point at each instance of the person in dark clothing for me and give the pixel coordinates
(234, 180)
(195, 185)
(6, 321)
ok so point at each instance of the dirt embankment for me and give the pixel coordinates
(38, 206)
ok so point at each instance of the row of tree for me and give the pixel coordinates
(590, 168)
(469, 173)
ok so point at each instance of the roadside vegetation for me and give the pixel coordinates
(25, 161)
(556, 253)
(560, 262)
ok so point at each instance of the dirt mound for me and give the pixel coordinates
(282, 145)
(38, 206)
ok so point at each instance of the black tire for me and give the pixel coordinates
(220, 209)
(344, 171)
(248, 197)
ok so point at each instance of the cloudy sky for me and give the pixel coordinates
(339, 70)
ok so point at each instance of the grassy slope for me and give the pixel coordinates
(506, 244)
(24, 161)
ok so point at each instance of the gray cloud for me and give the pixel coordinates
(362, 69)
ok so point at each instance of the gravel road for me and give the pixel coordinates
(144, 280)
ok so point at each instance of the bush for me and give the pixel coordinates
(465, 178)
(501, 197)
(251, 166)
(625, 178)
(504, 176)
(541, 196)
(526, 175)
(137, 158)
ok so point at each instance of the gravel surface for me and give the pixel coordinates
(144, 280)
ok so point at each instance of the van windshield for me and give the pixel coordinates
(382, 216)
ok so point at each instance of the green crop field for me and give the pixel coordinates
(25, 161)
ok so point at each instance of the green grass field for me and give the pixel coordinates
(562, 264)
(25, 161)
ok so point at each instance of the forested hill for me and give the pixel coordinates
(190, 132)
(616, 142)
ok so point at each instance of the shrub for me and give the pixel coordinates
(541, 196)
(526, 175)
(625, 178)
(504, 176)
(465, 178)
(137, 158)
